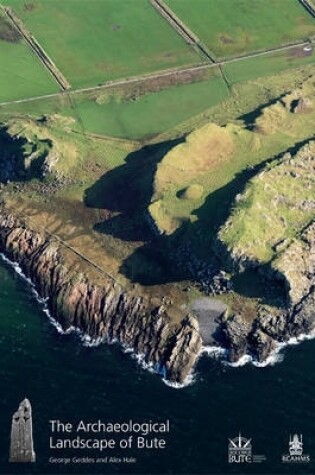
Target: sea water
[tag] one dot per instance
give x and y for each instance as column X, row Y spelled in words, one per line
column 69, row 381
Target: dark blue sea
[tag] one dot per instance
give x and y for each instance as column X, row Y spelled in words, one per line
column 67, row 381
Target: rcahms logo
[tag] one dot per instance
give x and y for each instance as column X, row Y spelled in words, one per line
column 296, row 451
column 240, row 451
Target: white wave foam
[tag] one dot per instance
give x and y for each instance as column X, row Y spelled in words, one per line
column 214, row 351
column 217, row 352
column 140, row 359
column 245, row 359
column 191, row 379
column 42, row 301
column 275, row 357
column 86, row 339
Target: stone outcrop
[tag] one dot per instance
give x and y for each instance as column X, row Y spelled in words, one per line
column 101, row 311
column 109, row 312
column 297, row 265
column 301, row 105
column 22, row 448
column 276, row 207
column 18, row 164
column 261, row 337
column 271, row 231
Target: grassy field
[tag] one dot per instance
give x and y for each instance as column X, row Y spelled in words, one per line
column 111, row 113
column 108, row 185
column 101, row 188
column 267, row 65
column 21, row 74
column 196, row 182
column 230, row 27
column 115, row 116
column 95, row 41
column 150, row 114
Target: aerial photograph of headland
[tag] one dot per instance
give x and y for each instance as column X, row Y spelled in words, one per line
column 157, row 237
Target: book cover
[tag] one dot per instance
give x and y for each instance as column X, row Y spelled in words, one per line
column 157, row 237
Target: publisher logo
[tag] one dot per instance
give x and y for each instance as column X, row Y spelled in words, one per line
column 295, row 454
column 240, row 451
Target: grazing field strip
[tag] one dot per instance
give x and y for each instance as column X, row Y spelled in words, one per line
column 37, row 49
column 94, row 41
column 110, row 138
column 230, row 28
column 188, row 35
column 113, row 84
column 309, row 6
column 170, row 72
column 264, row 51
column 77, row 114
column 181, row 28
column 225, row 78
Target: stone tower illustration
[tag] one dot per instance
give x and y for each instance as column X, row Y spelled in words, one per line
column 22, row 449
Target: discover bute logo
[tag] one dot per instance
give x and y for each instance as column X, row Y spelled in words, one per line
column 296, row 451
column 240, row 451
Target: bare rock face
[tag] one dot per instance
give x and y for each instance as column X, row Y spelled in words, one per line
column 261, row 345
column 297, row 265
column 261, row 337
column 108, row 311
column 236, row 332
column 22, row 449
column 301, row 105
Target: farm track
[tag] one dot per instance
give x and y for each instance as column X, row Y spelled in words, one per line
column 37, row 49
column 162, row 74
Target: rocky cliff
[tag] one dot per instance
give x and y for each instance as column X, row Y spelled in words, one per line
column 112, row 313
column 262, row 336
column 271, row 231
column 295, row 267
column 101, row 311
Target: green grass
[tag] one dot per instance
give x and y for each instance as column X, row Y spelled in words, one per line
column 147, row 116
column 98, row 40
column 232, row 27
column 37, row 107
column 21, row 74
column 153, row 113
column 225, row 175
column 267, row 65
column 270, row 211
